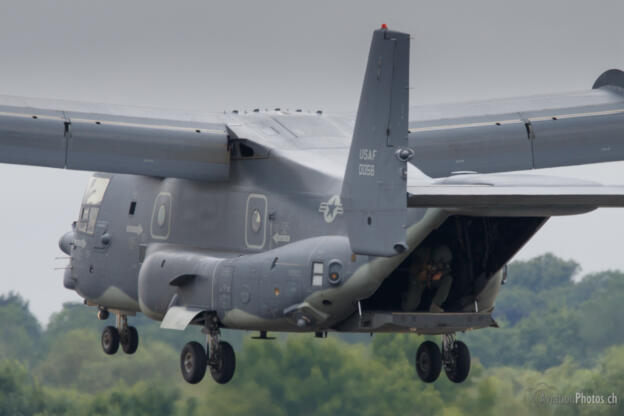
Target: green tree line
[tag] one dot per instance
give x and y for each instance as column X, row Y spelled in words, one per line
column 557, row 337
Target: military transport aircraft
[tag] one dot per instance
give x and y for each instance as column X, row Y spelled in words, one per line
column 297, row 221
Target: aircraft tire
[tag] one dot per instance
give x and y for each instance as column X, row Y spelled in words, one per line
column 129, row 339
column 110, row 340
column 193, row 362
column 224, row 370
column 428, row 361
column 459, row 371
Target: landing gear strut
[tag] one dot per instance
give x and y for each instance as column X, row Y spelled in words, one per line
column 220, row 357
column 454, row 357
column 123, row 334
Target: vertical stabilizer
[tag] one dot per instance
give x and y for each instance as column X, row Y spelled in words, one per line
column 374, row 190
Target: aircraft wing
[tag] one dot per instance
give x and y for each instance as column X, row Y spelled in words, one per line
column 512, row 195
column 521, row 133
column 112, row 139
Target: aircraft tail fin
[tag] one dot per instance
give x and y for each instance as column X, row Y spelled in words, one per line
column 374, row 190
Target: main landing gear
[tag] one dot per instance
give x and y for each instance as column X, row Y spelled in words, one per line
column 454, row 357
column 219, row 357
column 123, row 334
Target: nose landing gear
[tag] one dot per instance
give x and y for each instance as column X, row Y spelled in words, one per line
column 129, row 339
column 455, row 358
column 220, row 357
column 123, row 334
column 110, row 340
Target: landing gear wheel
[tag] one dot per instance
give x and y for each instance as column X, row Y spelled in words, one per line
column 428, row 361
column 129, row 339
column 110, row 340
column 193, row 362
column 458, row 369
column 223, row 369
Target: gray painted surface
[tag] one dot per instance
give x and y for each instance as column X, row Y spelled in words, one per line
column 263, row 239
column 521, row 133
column 113, row 143
column 514, row 195
column 373, row 191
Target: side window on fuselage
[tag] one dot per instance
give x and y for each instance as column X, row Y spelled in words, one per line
column 91, row 202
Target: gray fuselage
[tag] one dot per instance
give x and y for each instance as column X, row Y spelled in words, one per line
column 261, row 246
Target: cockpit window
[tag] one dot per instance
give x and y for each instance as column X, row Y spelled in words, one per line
column 82, row 221
column 91, row 202
column 85, row 214
column 93, row 212
column 95, row 191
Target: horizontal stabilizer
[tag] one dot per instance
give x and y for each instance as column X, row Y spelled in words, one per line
column 514, row 195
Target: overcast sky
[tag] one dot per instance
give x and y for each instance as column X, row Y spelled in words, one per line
column 214, row 56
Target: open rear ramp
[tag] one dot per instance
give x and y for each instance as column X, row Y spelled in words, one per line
column 418, row 322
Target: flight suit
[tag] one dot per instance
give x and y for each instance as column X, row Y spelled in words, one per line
column 430, row 268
